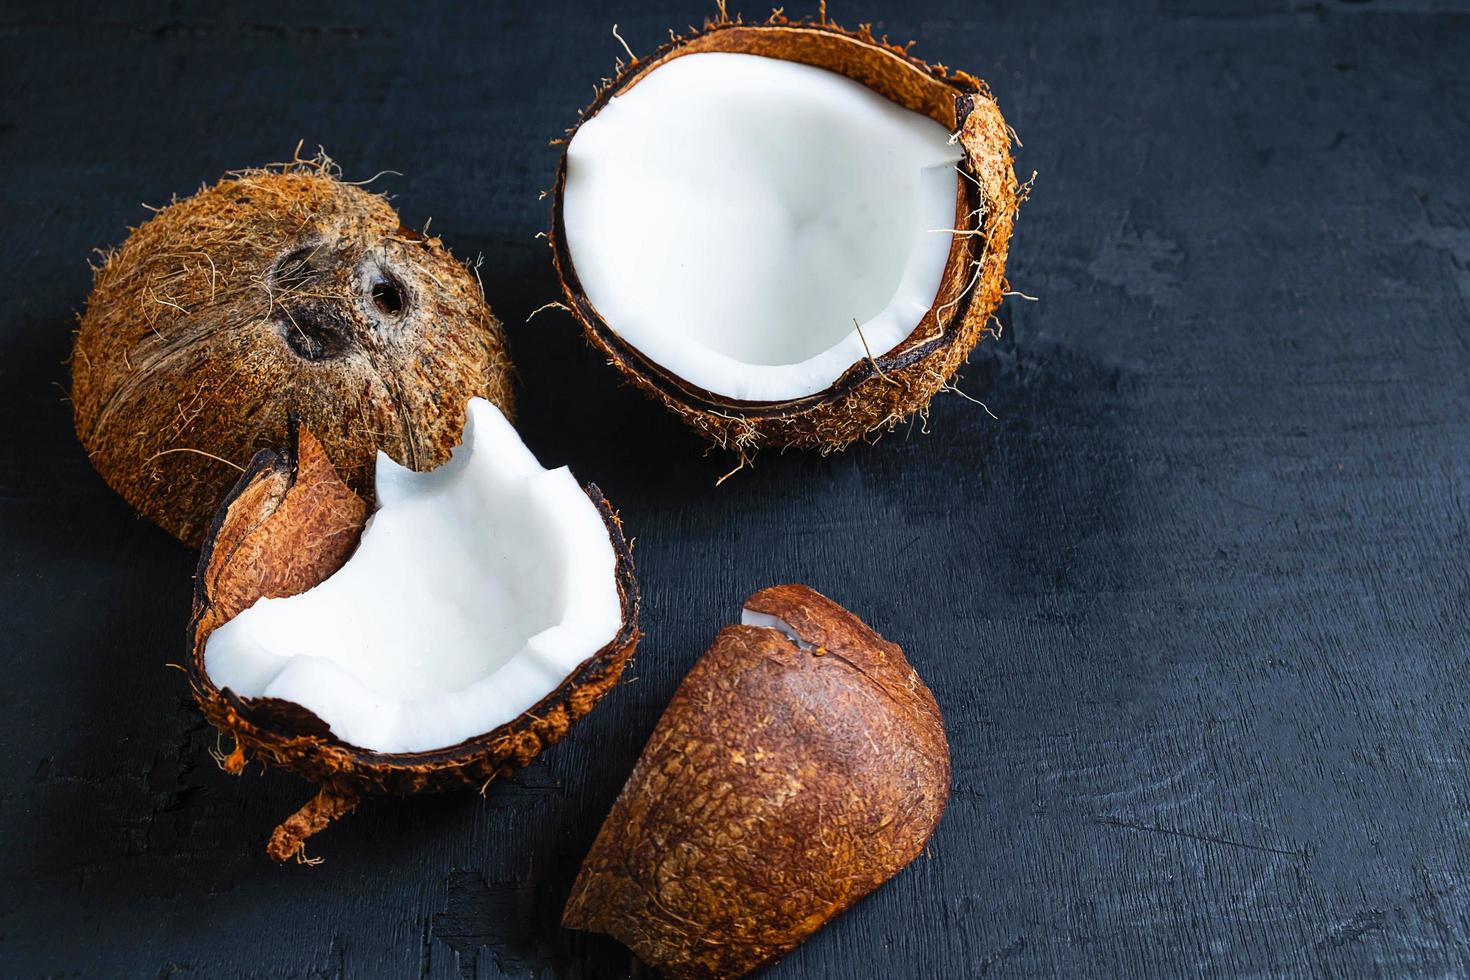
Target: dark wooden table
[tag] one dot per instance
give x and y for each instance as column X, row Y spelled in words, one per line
column 1195, row 605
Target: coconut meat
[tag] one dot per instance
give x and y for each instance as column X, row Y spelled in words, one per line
column 749, row 617
column 476, row 589
column 756, row 226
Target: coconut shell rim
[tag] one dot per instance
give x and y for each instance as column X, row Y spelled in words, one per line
column 631, row 361
column 611, row 657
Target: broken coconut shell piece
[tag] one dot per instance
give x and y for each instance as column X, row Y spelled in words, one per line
column 276, row 290
column 788, row 233
column 437, row 643
column 801, row 764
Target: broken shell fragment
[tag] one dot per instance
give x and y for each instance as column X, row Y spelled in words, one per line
column 801, row 764
column 788, row 233
column 275, row 291
column 436, row 643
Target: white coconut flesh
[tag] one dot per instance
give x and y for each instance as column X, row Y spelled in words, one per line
column 756, row 226
column 476, row 590
column 749, row 617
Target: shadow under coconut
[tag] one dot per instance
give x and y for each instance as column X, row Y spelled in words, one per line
column 529, row 835
column 580, row 409
column 511, row 916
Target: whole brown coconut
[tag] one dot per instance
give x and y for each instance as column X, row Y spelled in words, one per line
column 879, row 392
column 287, row 525
column 276, row 290
column 799, row 766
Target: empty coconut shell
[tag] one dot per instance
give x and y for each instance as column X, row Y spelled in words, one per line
column 800, row 765
column 288, row 525
column 878, row 387
column 275, row 290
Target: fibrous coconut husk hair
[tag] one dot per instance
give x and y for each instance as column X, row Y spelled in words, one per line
column 276, row 290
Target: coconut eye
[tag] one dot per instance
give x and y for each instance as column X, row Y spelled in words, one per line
column 278, row 278
column 312, row 335
column 387, row 295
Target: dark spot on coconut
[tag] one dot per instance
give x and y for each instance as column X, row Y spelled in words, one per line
column 387, row 295
column 313, row 334
column 295, row 266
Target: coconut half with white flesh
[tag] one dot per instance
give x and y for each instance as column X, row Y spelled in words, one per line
column 437, row 642
column 788, row 233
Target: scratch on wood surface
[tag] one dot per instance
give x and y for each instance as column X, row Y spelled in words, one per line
column 1356, row 927
column 1205, row 838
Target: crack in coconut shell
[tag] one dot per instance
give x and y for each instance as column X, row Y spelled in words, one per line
column 796, row 769
column 265, row 294
column 291, row 522
column 875, row 393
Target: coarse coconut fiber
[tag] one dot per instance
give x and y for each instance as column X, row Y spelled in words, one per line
column 277, row 290
column 880, row 388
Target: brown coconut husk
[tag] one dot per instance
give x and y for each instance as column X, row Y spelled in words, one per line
column 276, row 290
column 287, row 525
column 784, row 782
column 877, row 393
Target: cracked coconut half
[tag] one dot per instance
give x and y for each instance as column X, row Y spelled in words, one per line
column 788, row 233
column 276, row 290
column 442, row 640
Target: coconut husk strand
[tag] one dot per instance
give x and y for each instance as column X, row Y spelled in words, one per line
column 287, row 525
column 879, row 392
column 796, row 769
column 276, row 290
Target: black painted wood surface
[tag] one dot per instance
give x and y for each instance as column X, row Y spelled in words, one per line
column 1194, row 605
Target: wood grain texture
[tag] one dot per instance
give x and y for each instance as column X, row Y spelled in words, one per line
column 1194, row 606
